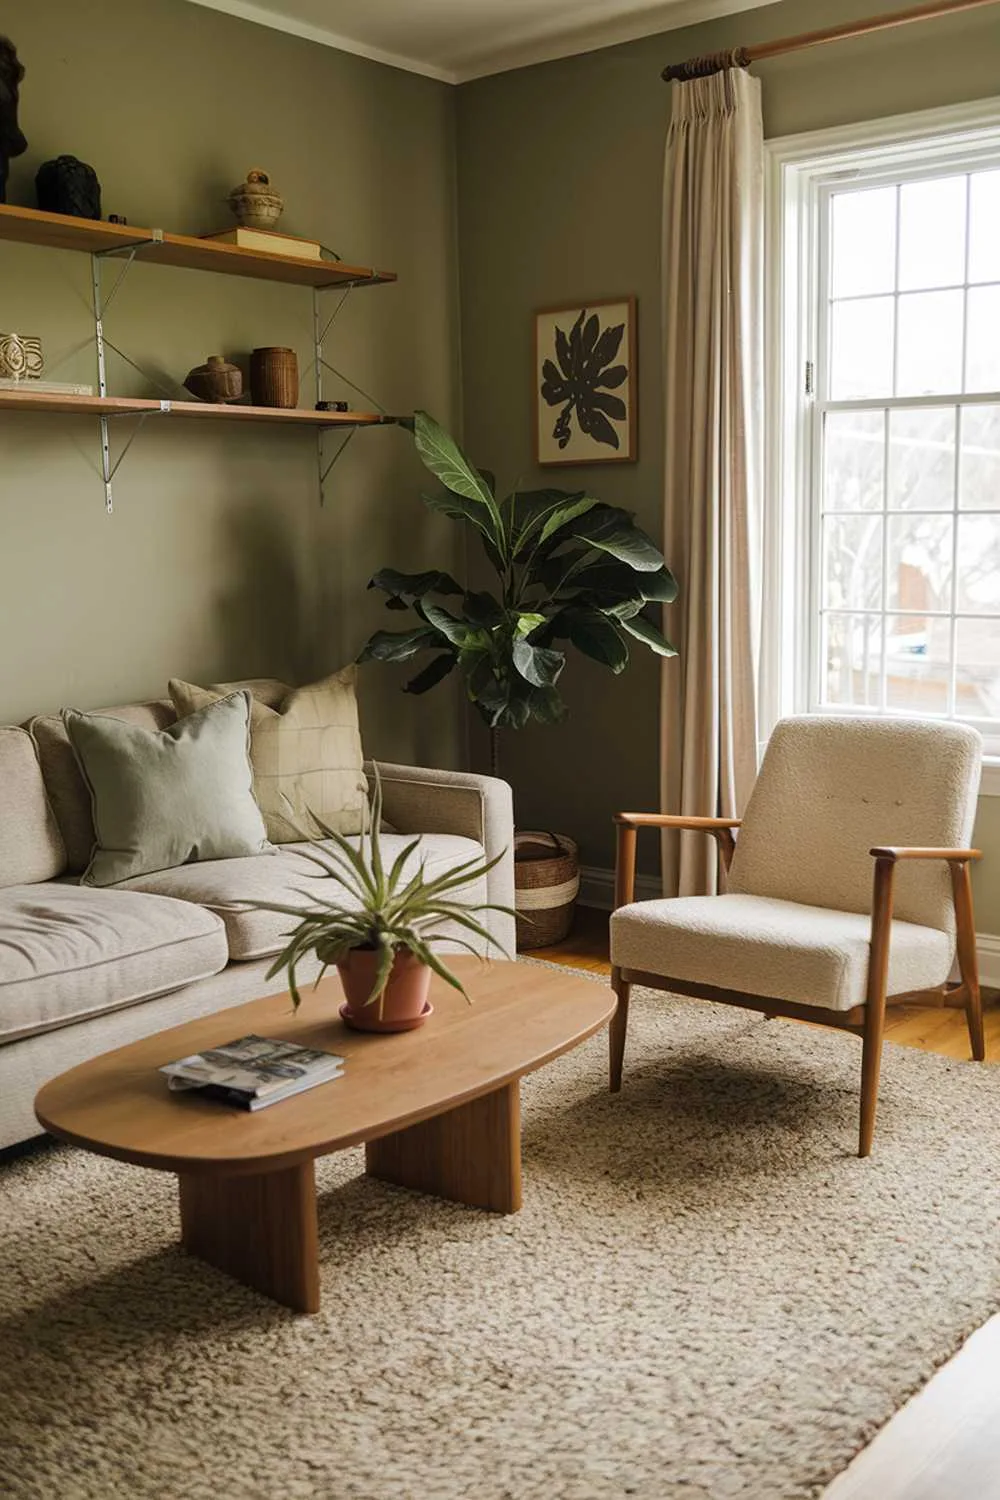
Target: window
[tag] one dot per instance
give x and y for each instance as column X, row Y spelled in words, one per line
column 887, row 465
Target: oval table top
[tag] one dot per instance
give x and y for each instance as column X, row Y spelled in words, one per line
column 522, row 1015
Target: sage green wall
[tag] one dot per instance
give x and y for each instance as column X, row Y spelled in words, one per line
column 218, row 561
column 560, row 174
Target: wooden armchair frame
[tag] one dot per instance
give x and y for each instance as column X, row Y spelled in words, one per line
column 867, row 1020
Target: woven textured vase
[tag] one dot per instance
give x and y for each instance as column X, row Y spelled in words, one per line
column 546, row 883
column 274, row 377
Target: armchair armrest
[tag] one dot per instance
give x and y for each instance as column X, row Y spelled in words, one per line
column 416, row 799
column 628, row 825
column 954, row 856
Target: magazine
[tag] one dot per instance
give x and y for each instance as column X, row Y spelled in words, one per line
column 253, row 1072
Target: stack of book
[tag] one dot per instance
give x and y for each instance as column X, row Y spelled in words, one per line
column 253, row 1072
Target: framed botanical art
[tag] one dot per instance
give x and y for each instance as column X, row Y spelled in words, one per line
column 585, row 383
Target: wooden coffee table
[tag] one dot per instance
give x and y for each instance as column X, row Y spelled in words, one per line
column 438, row 1110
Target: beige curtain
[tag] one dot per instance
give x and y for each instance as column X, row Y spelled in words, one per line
column 713, row 242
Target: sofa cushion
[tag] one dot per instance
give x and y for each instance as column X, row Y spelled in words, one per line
column 64, row 781
column 166, row 797
column 306, row 754
column 65, row 785
column 31, row 847
column 285, row 876
column 810, row 954
column 68, row 953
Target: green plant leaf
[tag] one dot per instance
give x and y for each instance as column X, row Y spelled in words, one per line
column 537, row 664
column 411, row 586
column 546, row 705
column 482, row 609
column 457, row 631
column 444, row 458
column 434, row 672
column 644, row 630
column 398, row 645
column 596, row 637
column 527, row 621
column 613, row 531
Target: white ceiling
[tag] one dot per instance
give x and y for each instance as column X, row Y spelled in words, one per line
column 456, row 40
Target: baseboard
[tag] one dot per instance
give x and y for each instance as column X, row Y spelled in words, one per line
column 597, row 889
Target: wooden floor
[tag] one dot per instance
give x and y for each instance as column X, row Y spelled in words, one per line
column 945, row 1443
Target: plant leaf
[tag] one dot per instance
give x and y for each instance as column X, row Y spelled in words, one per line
column 612, row 530
column 434, row 672
column 644, row 630
column 597, row 638
column 411, row 586
column 537, row 664
column 398, row 645
column 441, row 454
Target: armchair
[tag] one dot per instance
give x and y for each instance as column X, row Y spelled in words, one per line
column 847, row 889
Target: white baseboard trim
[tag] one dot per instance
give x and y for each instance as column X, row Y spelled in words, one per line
column 597, row 889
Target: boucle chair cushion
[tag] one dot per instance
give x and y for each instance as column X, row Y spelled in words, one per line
column 831, row 788
column 809, row 954
column 30, row 844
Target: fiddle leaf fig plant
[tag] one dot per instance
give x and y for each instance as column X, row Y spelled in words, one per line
column 570, row 571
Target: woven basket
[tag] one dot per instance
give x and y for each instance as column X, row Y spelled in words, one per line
column 546, row 882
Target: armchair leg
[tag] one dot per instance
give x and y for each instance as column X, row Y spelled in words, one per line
column 618, row 1029
column 968, row 966
column 871, row 1066
column 974, row 1017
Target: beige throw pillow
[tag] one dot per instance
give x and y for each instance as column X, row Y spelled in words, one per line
column 306, row 755
column 168, row 797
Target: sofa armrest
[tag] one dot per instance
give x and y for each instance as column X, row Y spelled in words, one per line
column 416, row 799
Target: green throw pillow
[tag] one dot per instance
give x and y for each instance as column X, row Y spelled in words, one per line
column 171, row 797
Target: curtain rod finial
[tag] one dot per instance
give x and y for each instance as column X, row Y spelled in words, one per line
column 703, row 67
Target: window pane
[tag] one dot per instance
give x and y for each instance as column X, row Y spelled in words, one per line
column 864, row 242
column 932, row 233
column 979, row 565
column 922, row 458
column 984, row 227
column 978, row 684
column 852, row 562
column 980, row 481
column 920, row 562
column 930, row 343
column 917, row 664
column 852, row 653
column 861, row 348
column 854, row 460
column 982, row 360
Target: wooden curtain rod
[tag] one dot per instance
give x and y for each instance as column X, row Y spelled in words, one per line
column 742, row 57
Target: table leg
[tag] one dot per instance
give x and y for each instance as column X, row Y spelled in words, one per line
column 260, row 1229
column 470, row 1154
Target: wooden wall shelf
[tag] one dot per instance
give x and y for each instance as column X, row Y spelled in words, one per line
column 30, row 226
column 126, row 406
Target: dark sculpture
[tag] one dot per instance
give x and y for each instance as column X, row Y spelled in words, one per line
column 68, row 186
column 12, row 142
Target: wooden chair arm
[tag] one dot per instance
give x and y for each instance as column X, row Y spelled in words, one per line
column 628, row 825
column 954, row 856
column 673, row 820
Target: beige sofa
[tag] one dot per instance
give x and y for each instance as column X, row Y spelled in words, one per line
column 83, row 970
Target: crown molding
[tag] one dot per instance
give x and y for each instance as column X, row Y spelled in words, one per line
column 603, row 31
column 544, row 45
column 245, row 10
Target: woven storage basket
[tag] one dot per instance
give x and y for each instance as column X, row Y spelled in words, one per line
column 546, row 882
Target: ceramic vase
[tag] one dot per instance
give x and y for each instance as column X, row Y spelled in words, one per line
column 255, row 203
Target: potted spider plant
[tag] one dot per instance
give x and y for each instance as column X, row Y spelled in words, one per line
column 379, row 925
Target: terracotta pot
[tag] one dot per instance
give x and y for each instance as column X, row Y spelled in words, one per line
column 274, row 377
column 404, row 1004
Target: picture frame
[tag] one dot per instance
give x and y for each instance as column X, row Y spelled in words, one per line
column 609, row 431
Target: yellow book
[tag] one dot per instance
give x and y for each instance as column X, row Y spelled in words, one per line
column 266, row 239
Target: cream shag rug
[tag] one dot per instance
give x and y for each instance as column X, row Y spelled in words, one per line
column 705, row 1295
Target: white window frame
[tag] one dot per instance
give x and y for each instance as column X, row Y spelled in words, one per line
column 799, row 168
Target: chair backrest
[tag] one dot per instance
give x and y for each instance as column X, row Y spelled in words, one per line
column 831, row 788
